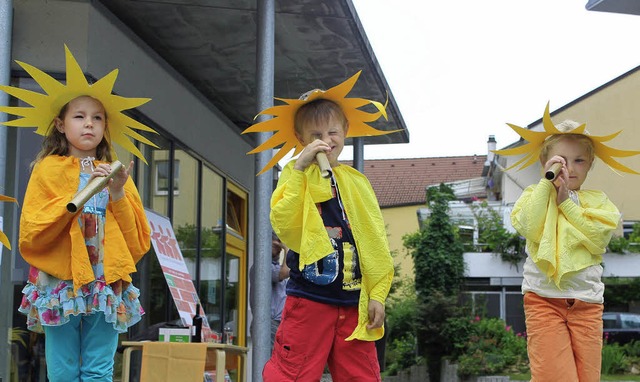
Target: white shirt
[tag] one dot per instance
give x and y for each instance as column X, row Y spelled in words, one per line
column 585, row 285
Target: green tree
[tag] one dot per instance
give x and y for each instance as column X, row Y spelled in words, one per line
column 400, row 327
column 620, row 293
column 494, row 237
column 439, row 276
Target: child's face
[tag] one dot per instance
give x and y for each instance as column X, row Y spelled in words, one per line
column 83, row 125
column 332, row 133
column 577, row 157
column 276, row 248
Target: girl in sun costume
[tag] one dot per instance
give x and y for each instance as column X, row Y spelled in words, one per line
column 341, row 269
column 79, row 290
column 567, row 230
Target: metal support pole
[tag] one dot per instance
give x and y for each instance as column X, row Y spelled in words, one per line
column 6, row 264
column 503, row 302
column 261, row 324
column 358, row 154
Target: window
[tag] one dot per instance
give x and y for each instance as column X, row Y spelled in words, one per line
column 211, row 251
column 609, row 321
column 162, row 177
column 630, row 321
column 236, row 211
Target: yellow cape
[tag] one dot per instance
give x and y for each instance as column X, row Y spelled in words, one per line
column 297, row 222
column 565, row 238
column 51, row 239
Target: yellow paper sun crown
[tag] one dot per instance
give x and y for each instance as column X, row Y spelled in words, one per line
column 3, row 238
column 535, row 139
column 284, row 116
column 45, row 107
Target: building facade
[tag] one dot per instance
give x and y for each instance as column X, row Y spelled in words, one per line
column 198, row 64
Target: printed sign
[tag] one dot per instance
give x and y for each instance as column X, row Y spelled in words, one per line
column 175, row 270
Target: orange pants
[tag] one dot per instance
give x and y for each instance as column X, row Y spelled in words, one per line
column 564, row 339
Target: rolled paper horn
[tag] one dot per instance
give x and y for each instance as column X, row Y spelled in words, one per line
column 323, row 162
column 553, row 171
column 93, row 187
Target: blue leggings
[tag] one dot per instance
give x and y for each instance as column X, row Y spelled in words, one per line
column 81, row 350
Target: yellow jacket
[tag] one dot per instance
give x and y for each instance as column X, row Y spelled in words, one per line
column 568, row 237
column 297, row 222
column 51, row 239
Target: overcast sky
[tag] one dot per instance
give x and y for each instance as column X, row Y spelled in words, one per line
column 459, row 70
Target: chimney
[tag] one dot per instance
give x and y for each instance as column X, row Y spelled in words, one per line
column 491, row 145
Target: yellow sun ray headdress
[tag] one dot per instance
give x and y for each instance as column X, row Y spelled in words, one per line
column 284, row 116
column 3, row 238
column 45, row 107
column 535, row 140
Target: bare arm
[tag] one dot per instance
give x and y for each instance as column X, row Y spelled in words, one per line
column 284, row 269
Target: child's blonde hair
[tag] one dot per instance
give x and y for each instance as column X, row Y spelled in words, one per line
column 55, row 142
column 317, row 112
column 566, row 127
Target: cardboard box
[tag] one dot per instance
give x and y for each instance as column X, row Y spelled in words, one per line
column 174, row 335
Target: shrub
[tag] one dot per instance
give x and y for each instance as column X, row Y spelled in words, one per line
column 618, row 244
column 490, row 347
column 632, row 349
column 400, row 328
column 634, row 236
column 402, row 311
column 458, row 330
column 401, row 354
column 614, row 359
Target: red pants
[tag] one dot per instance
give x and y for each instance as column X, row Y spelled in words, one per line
column 564, row 339
column 310, row 336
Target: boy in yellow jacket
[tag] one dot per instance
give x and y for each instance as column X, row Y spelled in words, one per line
column 341, row 268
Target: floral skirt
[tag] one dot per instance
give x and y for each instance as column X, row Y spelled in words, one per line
column 51, row 302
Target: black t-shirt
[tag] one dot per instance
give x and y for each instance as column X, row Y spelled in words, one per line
column 336, row 278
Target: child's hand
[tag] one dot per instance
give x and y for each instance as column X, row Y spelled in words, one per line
column 116, row 184
column 562, row 189
column 376, row 314
column 560, row 183
column 102, row 170
column 308, row 155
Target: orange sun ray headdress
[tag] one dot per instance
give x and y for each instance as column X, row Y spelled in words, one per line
column 3, row 238
column 45, row 107
column 535, row 139
column 284, row 116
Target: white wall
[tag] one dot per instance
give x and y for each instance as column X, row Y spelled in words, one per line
column 490, row 265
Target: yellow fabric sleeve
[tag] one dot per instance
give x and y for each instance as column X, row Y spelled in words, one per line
column 565, row 238
column 51, row 239
column 296, row 220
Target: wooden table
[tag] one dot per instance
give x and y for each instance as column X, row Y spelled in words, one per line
column 221, row 351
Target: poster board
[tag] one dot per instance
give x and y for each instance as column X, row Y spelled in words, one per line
column 175, row 270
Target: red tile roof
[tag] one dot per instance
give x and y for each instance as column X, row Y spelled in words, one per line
column 400, row 182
